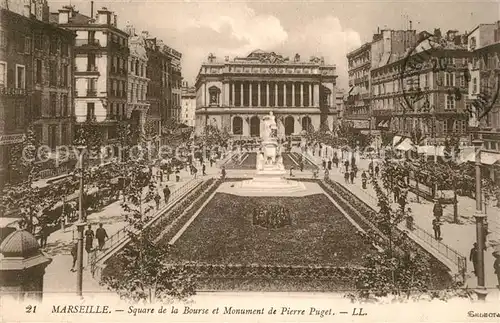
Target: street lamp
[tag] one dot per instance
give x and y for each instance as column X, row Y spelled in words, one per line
column 80, row 226
column 480, row 216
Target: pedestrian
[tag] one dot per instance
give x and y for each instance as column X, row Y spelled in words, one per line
column 355, row 170
column 396, row 192
column 336, row 160
column 329, row 164
column 159, row 174
column 194, row 171
column 353, row 160
column 89, row 239
column 346, row 164
column 352, row 175
column 101, row 235
column 370, row 167
column 436, row 226
column 437, row 209
column 223, row 173
column 166, row 194
column 291, row 171
column 473, row 257
column 364, row 179
column 346, row 177
column 157, row 199
column 177, row 175
column 211, row 162
column 485, row 233
column 301, row 165
column 323, row 163
column 203, row 169
column 74, row 254
column 496, row 267
column 377, row 169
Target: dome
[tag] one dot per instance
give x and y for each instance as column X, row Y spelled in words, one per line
column 19, row 243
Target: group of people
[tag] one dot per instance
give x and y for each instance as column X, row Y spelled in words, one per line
column 100, row 234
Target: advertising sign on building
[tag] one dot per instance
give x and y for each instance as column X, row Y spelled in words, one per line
column 361, row 124
column 11, row 139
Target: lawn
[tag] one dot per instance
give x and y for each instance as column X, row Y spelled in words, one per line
column 223, row 233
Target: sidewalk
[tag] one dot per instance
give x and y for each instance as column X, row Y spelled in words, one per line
column 58, row 277
column 458, row 236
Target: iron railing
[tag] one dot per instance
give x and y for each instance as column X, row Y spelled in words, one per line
column 451, row 254
column 123, row 233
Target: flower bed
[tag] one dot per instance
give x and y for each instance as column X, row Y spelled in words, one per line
column 223, row 234
column 274, row 216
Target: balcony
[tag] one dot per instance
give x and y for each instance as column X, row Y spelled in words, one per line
column 91, row 70
column 12, row 91
column 382, row 112
column 91, row 92
column 87, row 44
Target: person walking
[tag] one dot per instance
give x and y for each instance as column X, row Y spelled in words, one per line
column 377, row 169
column 166, row 194
column 323, row 163
column 496, row 267
column 329, row 164
column 346, row 164
column 223, row 173
column 194, row 171
column 74, row 254
column 101, row 236
column 301, row 165
column 157, row 199
column 177, row 175
column 89, row 240
column 364, row 179
column 346, row 177
column 473, row 257
column 352, row 174
column 437, row 209
column 436, row 226
column 291, row 171
column 203, row 169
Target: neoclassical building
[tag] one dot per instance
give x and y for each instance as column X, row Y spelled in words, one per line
column 234, row 95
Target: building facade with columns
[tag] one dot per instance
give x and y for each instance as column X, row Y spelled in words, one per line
column 234, row 95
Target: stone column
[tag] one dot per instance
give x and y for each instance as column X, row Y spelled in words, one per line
column 284, row 94
column 250, row 94
column 259, row 94
column 316, row 95
column 293, row 94
column 233, row 101
column 276, row 94
column 267, row 94
column 226, row 94
column 241, row 94
column 204, row 97
column 301, row 94
column 310, row 95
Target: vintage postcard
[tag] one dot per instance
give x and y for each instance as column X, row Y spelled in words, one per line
column 249, row 161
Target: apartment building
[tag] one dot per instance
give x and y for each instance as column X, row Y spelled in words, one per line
column 36, row 59
column 188, row 107
column 101, row 68
column 484, row 45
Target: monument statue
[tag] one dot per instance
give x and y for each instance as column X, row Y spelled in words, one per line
column 260, row 161
column 270, row 127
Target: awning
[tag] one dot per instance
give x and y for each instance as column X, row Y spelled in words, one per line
column 487, row 158
column 431, row 150
column 405, row 145
column 395, row 140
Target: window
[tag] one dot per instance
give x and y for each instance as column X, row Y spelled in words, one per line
column 38, row 76
column 53, row 136
column 53, row 73
column 426, row 80
column 474, row 85
column 20, row 76
column 3, row 74
column 450, row 102
column 64, row 49
column 65, row 79
column 64, row 134
column 20, row 43
column 27, row 45
column 64, row 105
column 53, row 45
column 3, row 39
column 38, row 41
column 53, row 105
column 91, row 63
column 449, row 79
column 90, row 110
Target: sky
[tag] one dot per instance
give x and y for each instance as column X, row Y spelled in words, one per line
column 321, row 28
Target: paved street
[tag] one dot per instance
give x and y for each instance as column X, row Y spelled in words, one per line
column 458, row 236
column 58, row 277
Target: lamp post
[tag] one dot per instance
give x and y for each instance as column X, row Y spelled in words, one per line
column 480, row 216
column 80, row 226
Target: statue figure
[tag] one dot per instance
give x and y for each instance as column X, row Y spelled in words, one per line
column 270, row 128
column 260, row 161
column 279, row 162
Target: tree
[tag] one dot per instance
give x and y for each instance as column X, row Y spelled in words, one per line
column 147, row 276
column 89, row 135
